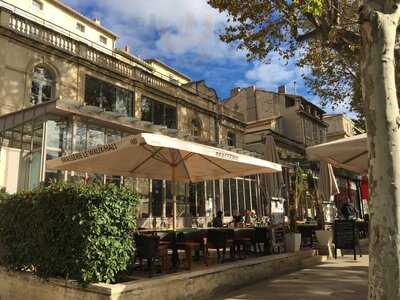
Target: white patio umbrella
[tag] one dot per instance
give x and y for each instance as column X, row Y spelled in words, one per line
column 347, row 153
column 327, row 184
column 271, row 183
column 162, row 157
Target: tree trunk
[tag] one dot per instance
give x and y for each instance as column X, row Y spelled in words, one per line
column 379, row 20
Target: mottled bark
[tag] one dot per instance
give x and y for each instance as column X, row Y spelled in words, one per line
column 379, row 20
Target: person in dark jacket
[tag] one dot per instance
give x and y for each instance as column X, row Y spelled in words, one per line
column 218, row 222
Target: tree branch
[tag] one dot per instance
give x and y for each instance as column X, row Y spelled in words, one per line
column 308, row 35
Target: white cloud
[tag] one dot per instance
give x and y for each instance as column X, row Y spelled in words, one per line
column 277, row 72
column 165, row 27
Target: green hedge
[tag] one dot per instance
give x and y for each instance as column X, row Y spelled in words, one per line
column 3, row 194
column 70, row 230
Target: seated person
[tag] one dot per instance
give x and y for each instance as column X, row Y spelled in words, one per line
column 247, row 218
column 217, row 222
column 253, row 217
column 237, row 219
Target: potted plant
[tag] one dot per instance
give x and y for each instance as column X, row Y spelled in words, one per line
column 293, row 238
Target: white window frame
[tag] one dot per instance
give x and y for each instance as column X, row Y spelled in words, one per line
column 103, row 40
column 37, row 4
column 80, row 27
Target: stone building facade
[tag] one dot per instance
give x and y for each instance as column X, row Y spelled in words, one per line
column 294, row 122
column 65, row 87
column 340, row 126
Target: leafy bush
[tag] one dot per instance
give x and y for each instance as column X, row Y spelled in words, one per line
column 3, row 194
column 73, row 230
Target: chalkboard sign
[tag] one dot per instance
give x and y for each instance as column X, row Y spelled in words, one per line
column 346, row 236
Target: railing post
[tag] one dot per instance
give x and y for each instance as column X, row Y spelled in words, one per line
column 82, row 50
column 5, row 16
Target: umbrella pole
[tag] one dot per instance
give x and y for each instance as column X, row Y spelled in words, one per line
column 173, row 183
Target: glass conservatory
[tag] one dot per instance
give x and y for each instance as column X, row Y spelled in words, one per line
column 53, row 129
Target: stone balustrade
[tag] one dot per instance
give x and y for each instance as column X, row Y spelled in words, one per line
column 38, row 32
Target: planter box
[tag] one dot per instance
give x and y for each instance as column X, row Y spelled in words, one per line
column 292, row 242
column 202, row 284
column 325, row 242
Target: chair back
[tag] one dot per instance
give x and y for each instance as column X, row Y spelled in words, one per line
column 217, row 237
column 229, row 233
column 166, row 236
column 261, row 234
column 147, row 246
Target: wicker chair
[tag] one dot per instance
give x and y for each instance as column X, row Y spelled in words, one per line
column 148, row 247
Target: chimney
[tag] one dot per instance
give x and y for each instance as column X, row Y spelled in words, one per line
column 97, row 21
column 235, row 91
column 126, row 49
column 282, row 89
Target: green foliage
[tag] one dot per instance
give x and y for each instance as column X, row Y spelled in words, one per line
column 323, row 36
column 70, row 230
column 313, row 7
column 298, row 193
column 3, row 195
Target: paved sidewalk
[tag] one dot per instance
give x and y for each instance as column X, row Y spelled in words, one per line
column 342, row 279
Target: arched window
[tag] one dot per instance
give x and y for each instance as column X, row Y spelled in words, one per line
column 196, row 127
column 43, row 83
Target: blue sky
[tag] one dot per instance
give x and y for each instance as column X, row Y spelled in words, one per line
column 184, row 34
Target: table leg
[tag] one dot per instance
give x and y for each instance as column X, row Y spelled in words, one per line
column 205, row 255
column 188, row 252
column 175, row 257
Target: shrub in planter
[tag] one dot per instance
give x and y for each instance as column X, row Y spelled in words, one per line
column 3, row 194
column 72, row 230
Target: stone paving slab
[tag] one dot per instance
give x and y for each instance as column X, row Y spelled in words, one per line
column 343, row 279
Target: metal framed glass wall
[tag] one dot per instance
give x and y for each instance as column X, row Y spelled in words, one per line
column 203, row 199
column 54, row 136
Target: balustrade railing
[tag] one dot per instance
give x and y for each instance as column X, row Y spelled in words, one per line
column 37, row 32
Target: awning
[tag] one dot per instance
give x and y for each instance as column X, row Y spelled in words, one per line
column 154, row 156
column 348, row 153
column 158, row 156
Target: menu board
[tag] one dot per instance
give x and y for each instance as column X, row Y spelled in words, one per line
column 345, row 234
column 277, row 211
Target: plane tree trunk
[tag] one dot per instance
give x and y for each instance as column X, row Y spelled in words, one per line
column 379, row 20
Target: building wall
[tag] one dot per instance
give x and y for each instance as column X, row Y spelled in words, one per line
column 53, row 12
column 225, row 127
column 340, row 126
column 268, row 105
column 255, row 104
column 292, row 118
column 293, row 124
column 161, row 70
column 239, row 101
column 17, row 62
